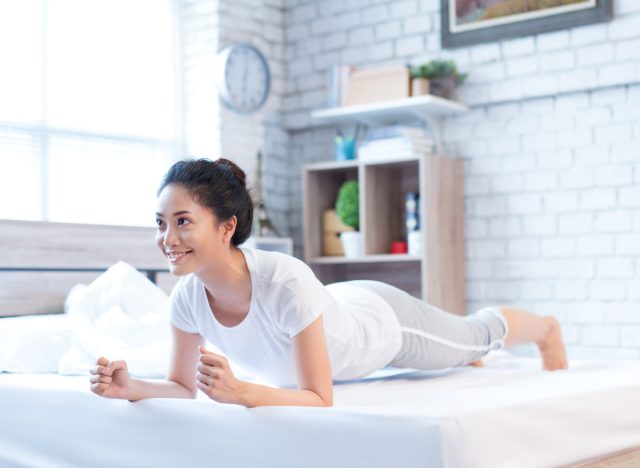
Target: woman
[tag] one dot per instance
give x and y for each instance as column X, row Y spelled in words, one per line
column 269, row 313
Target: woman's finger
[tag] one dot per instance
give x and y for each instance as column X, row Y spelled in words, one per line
column 212, row 359
column 211, row 375
column 102, row 360
column 202, row 378
column 204, row 369
column 100, row 379
column 103, row 370
column 99, row 387
column 205, row 379
column 116, row 365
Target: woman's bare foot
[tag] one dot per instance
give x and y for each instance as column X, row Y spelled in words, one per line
column 477, row 363
column 554, row 356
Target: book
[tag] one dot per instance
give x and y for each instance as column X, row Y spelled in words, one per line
column 365, row 153
column 344, row 76
column 398, row 142
column 393, row 131
column 333, row 86
column 374, row 150
column 338, row 85
column 390, row 155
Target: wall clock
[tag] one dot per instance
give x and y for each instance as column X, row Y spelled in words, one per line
column 244, row 78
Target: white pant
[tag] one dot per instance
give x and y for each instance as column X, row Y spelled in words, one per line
column 434, row 339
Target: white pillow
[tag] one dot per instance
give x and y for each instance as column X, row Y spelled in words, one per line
column 33, row 343
column 121, row 315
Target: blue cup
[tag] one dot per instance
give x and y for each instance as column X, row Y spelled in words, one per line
column 345, row 148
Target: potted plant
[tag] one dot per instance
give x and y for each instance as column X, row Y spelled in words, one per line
column 348, row 210
column 442, row 75
column 419, row 82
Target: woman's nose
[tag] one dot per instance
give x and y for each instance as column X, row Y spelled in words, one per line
column 170, row 237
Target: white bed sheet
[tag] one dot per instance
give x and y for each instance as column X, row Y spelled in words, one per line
column 507, row 414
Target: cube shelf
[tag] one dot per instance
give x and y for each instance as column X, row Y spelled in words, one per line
column 437, row 274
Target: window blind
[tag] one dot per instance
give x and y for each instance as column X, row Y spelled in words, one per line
column 88, row 108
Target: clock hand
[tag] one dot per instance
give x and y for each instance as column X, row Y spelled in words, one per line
column 244, row 78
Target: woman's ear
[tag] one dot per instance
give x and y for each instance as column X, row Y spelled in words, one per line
column 229, row 228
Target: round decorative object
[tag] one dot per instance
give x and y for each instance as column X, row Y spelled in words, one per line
column 244, row 79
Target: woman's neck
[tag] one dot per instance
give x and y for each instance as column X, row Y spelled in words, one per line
column 228, row 283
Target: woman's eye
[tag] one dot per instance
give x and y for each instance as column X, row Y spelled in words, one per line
column 182, row 221
column 159, row 222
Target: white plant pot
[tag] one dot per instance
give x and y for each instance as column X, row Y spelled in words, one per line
column 351, row 243
column 414, row 239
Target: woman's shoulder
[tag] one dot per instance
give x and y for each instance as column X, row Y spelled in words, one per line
column 186, row 286
column 277, row 273
column 276, row 265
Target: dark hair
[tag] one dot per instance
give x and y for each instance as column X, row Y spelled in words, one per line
column 219, row 185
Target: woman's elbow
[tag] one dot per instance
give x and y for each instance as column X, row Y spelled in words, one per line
column 187, row 391
column 327, row 400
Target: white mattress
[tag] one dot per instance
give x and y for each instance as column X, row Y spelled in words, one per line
column 508, row 413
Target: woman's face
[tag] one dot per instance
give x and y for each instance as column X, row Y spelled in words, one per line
column 188, row 234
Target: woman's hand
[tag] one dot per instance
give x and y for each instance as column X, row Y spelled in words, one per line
column 110, row 379
column 215, row 379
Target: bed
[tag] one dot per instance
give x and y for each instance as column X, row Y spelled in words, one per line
column 506, row 414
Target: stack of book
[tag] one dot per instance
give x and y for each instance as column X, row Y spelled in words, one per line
column 395, row 142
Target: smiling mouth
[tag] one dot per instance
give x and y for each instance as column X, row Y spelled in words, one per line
column 175, row 257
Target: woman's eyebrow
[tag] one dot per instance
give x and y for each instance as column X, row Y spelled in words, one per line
column 175, row 214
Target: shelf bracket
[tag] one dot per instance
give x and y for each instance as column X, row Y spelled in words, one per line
column 435, row 125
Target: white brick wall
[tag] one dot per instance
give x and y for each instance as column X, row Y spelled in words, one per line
column 214, row 131
column 579, row 243
column 551, row 146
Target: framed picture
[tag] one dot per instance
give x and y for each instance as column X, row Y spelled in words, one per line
column 468, row 22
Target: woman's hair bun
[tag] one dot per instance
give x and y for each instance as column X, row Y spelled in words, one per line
column 239, row 173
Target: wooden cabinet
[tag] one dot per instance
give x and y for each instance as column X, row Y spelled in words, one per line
column 437, row 274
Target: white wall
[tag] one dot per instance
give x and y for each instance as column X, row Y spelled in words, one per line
column 551, row 149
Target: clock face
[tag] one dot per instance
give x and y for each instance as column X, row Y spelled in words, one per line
column 245, row 79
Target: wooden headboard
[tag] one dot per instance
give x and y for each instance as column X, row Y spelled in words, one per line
column 40, row 261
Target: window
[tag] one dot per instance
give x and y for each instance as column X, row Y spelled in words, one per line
column 88, row 108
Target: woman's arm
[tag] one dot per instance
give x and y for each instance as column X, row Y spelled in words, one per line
column 110, row 379
column 217, row 381
column 314, row 374
column 181, row 382
column 141, row 389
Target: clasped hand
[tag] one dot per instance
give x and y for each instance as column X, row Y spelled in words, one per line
column 215, row 379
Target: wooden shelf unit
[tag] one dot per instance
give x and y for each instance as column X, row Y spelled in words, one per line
column 437, row 275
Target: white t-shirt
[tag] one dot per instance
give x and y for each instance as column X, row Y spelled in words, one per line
column 362, row 331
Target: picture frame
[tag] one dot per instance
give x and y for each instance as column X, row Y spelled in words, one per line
column 468, row 22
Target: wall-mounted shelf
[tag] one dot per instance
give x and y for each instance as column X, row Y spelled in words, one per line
column 429, row 109
column 384, row 112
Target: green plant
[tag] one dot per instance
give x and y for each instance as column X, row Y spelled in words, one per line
column 348, row 204
column 438, row 69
